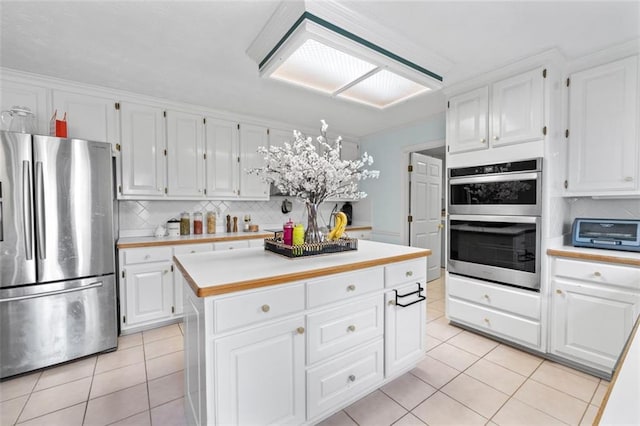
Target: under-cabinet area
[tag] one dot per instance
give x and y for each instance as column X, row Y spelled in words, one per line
column 252, row 354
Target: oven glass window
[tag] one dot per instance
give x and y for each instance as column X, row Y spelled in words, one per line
column 501, row 244
column 520, row 192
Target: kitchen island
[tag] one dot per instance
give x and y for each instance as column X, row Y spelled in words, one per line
column 273, row 340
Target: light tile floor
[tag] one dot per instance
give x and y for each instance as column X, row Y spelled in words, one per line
column 465, row 379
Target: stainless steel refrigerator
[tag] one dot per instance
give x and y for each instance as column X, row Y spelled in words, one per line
column 57, row 281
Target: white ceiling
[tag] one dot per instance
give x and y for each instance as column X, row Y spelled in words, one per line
column 194, row 52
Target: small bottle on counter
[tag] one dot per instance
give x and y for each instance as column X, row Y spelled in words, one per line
column 211, row 222
column 247, row 223
column 185, row 223
column 287, row 233
column 298, row 235
column 197, row 223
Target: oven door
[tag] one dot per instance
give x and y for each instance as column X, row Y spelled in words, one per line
column 507, row 194
column 504, row 249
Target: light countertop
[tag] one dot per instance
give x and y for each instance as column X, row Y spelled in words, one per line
column 213, row 273
column 598, row 255
column 135, row 242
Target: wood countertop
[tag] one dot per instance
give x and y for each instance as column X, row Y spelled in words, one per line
column 214, row 273
column 137, row 242
column 597, row 255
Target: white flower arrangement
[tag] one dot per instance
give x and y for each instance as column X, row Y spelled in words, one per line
column 297, row 169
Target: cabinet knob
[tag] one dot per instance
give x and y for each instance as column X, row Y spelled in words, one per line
column 597, row 274
column 391, row 302
column 440, row 226
column 166, row 271
column 558, row 291
column 628, row 179
column 300, row 330
column 351, row 287
column 265, row 308
column 409, row 273
column 486, row 296
column 147, row 257
column 495, row 138
column 352, row 378
column 351, row 328
column 193, row 251
column 483, row 140
column 486, row 320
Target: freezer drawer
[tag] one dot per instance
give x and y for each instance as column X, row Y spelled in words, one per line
column 46, row 324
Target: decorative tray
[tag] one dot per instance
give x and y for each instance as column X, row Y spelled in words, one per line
column 325, row 247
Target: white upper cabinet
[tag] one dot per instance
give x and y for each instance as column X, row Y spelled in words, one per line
column 467, row 128
column 603, row 149
column 221, row 151
column 89, row 117
column 26, row 95
column 143, row 150
column 185, row 155
column 252, row 137
column 517, row 109
column 508, row 111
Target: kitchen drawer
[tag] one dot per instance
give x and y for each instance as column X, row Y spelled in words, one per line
column 598, row 273
column 405, row 272
column 147, row 254
column 343, row 286
column 336, row 330
column 510, row 327
column 257, row 306
column 192, row 248
column 496, row 296
column 332, row 383
column 231, row 245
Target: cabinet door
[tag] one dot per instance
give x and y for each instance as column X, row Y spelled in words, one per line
column 185, row 154
column 467, row 121
column 88, row 117
column 517, row 109
column 603, row 129
column 143, row 150
column 277, row 137
column 33, row 97
column 149, row 292
column 221, row 150
column 404, row 332
column 591, row 324
column 261, row 375
column 252, row 137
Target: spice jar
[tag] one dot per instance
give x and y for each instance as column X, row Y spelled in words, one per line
column 185, row 224
column 211, row 222
column 197, row 223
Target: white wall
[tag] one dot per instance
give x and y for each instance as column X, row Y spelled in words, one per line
column 384, row 194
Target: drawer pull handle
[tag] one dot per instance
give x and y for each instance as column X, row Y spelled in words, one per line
column 193, row 251
column 486, row 320
column 418, row 300
column 352, row 378
column 597, row 274
column 408, row 273
column 351, row 287
column 265, row 308
column 351, row 328
column 300, row 330
column 558, row 291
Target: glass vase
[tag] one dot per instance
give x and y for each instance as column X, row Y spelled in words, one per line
column 313, row 233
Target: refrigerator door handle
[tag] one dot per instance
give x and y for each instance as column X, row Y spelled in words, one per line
column 27, row 211
column 40, row 213
column 52, row 293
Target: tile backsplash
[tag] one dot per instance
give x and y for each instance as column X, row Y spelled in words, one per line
column 140, row 218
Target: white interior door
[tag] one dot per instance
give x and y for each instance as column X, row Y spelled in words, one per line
column 425, row 205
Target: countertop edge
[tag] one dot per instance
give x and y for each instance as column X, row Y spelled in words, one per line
column 593, row 256
column 297, row 276
column 211, row 238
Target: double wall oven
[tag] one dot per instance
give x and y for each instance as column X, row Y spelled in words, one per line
column 494, row 222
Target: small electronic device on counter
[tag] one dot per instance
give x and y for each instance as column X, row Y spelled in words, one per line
column 613, row 234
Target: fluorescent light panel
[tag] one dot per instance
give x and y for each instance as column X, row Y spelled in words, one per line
column 383, row 89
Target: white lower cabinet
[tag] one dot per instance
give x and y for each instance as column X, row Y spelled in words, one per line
column 593, row 309
column 149, row 293
column 291, row 354
column 261, row 375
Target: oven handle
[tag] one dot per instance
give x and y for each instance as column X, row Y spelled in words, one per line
column 486, row 218
column 495, row 178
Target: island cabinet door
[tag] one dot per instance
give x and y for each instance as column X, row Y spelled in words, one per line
column 260, row 375
column 404, row 328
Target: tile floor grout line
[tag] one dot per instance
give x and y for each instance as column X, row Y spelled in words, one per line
column 93, row 375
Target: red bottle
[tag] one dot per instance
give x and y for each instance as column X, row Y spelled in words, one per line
column 287, row 234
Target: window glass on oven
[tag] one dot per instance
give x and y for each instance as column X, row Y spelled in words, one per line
column 520, row 192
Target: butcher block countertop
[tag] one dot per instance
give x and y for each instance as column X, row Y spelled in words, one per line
column 220, row 272
column 597, row 255
column 136, row 242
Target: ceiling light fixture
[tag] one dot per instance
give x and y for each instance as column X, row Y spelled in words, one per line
column 299, row 47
